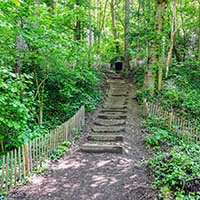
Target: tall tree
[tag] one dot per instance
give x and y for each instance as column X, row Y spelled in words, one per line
column 114, row 29
column 154, row 59
column 172, row 37
column 126, row 34
column 78, row 23
column 199, row 32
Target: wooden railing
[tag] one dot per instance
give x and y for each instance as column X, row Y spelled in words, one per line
column 183, row 128
column 18, row 164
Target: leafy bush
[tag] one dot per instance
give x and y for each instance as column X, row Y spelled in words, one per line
column 16, row 108
column 68, row 89
column 60, row 151
column 173, row 169
column 41, row 43
column 175, row 165
column 158, row 137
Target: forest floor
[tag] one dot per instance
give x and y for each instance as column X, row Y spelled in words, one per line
column 92, row 176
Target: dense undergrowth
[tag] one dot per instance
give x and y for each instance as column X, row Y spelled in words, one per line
column 65, row 91
column 180, row 92
column 46, row 73
column 175, row 164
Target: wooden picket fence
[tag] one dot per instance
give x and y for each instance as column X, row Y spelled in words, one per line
column 18, row 164
column 183, row 128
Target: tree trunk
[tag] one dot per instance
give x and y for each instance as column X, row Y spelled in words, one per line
column 90, row 34
column 172, row 37
column 114, row 30
column 156, row 46
column 199, row 33
column 78, row 25
column 126, row 33
column 160, row 68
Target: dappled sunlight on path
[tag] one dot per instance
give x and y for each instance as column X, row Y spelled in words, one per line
column 103, row 176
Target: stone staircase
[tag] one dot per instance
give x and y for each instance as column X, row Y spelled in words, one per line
column 109, row 127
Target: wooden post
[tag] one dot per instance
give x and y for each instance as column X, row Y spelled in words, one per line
column 11, row 169
column 54, row 139
column 30, row 157
column 15, row 167
column 2, row 173
column 25, row 158
column 19, row 160
column 50, row 142
column 78, row 118
column 66, row 130
column 46, row 138
column 7, row 171
column 34, row 154
column 170, row 120
column 42, row 146
column 39, row 152
column 82, row 116
column 145, row 108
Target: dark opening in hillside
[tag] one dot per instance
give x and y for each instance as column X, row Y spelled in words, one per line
column 118, row 66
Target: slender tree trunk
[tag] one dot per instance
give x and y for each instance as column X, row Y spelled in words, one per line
column 21, row 48
column 126, row 33
column 199, row 33
column 78, row 25
column 172, row 37
column 156, row 46
column 101, row 23
column 160, row 68
column 90, row 34
column 114, row 30
column 90, row 25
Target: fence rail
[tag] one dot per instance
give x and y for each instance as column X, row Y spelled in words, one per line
column 19, row 163
column 183, row 128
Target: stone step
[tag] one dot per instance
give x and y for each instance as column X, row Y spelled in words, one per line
column 110, row 116
column 116, row 98
column 107, row 129
column 105, row 138
column 117, row 82
column 116, row 94
column 101, row 148
column 107, row 106
column 114, row 105
column 115, row 77
column 118, row 87
column 105, row 122
column 112, row 113
column 119, row 95
column 104, row 110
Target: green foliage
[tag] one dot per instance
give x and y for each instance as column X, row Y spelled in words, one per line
column 142, row 94
column 181, row 92
column 158, row 137
column 175, row 163
column 173, row 169
column 60, row 151
column 16, row 107
column 54, row 78
column 68, row 89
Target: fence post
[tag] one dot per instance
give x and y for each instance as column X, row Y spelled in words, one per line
column 82, row 116
column 170, row 120
column 2, row 173
column 145, row 108
column 25, row 149
column 66, row 127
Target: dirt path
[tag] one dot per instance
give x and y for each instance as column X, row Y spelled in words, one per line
column 105, row 176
